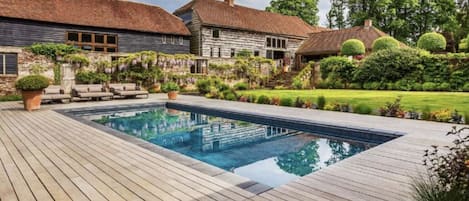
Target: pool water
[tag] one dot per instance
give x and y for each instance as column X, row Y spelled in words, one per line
column 263, row 153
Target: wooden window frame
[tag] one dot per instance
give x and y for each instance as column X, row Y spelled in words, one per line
column 164, row 39
column 181, row 40
column 233, row 52
column 93, row 43
column 3, row 65
column 216, row 31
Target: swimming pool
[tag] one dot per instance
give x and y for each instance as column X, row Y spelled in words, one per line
column 267, row 154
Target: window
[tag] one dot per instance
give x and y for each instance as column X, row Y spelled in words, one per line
column 92, row 41
column 269, row 42
column 163, row 39
column 211, row 52
column 269, row 54
column 173, row 40
column 274, row 43
column 181, row 40
column 216, row 33
column 256, row 53
column 8, row 63
column 232, row 53
column 284, row 44
column 219, row 52
column 278, row 43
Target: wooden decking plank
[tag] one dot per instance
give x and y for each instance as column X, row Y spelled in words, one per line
column 301, row 185
column 55, row 143
column 46, row 179
column 34, row 184
column 128, row 161
column 295, row 189
column 180, row 173
column 7, row 192
column 81, row 183
column 52, row 166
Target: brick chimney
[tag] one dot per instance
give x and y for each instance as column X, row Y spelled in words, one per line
column 230, row 2
column 368, row 23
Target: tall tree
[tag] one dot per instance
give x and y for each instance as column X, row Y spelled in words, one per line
column 305, row 9
column 462, row 18
column 336, row 15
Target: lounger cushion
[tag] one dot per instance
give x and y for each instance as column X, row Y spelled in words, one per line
column 52, row 90
column 55, row 96
column 117, row 87
column 81, row 89
column 131, row 93
column 95, row 94
column 95, row 89
column 130, row 87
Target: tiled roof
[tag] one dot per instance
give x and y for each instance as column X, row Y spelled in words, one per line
column 330, row 42
column 220, row 14
column 115, row 14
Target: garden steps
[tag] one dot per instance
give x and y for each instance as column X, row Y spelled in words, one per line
column 282, row 79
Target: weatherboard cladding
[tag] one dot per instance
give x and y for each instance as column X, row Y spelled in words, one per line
column 22, row 33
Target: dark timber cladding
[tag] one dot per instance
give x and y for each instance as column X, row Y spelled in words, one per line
column 97, row 25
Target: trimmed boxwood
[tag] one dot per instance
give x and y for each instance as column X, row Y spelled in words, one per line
column 385, row 42
column 286, row 101
column 32, row 83
column 353, row 47
column 432, row 42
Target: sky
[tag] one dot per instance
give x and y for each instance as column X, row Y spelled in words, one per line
column 171, row 5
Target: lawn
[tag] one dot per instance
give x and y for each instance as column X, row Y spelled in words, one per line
column 376, row 99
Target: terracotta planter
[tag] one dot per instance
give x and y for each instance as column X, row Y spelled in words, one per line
column 32, row 100
column 172, row 95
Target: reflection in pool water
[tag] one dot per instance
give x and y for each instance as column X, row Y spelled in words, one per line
column 266, row 154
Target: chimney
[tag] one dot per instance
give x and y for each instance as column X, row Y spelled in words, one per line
column 368, row 23
column 230, row 2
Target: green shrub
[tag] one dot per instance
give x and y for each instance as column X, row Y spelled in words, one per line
column 417, row 87
column 372, row 86
column 442, row 115
column 286, row 101
column 391, row 86
column 457, row 80
column 404, row 85
column 322, row 85
column 241, row 86
column 169, row 86
column 32, row 83
column 444, row 87
column 337, row 69
column 79, row 59
column 362, row 109
column 90, row 77
column 385, row 42
column 332, row 107
column 355, row 86
column 353, row 47
column 299, row 102
column 230, row 95
column 430, row 86
column 465, row 88
column 392, row 109
column 53, row 50
column 390, row 65
column 203, row 85
column 297, row 84
column 251, row 98
column 432, row 42
column 426, row 113
column 10, row 98
column 321, row 102
column 263, row 99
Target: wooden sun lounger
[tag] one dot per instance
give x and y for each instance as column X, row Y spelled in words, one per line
column 91, row 91
column 127, row 90
column 54, row 93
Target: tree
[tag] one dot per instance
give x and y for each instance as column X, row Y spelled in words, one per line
column 336, row 15
column 305, row 9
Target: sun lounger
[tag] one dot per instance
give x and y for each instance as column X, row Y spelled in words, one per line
column 127, row 90
column 91, row 91
column 55, row 93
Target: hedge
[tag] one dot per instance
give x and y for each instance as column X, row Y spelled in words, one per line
column 432, row 42
column 385, row 42
column 353, row 47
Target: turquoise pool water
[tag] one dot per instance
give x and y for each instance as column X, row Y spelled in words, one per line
column 263, row 153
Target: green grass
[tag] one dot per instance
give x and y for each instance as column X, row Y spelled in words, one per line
column 10, row 98
column 377, row 99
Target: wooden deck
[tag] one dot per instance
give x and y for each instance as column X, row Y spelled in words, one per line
column 47, row 156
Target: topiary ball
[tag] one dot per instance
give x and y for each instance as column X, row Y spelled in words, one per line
column 385, row 42
column 432, row 42
column 353, row 47
column 32, row 83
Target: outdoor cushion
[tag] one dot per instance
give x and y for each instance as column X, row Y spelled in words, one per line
column 131, row 93
column 95, row 88
column 80, row 89
column 55, row 96
column 95, row 94
column 130, row 87
column 52, row 90
column 116, row 87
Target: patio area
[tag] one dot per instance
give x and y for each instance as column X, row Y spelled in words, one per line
column 45, row 155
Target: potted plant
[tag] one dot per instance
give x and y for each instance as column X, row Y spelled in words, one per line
column 31, row 88
column 172, row 89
